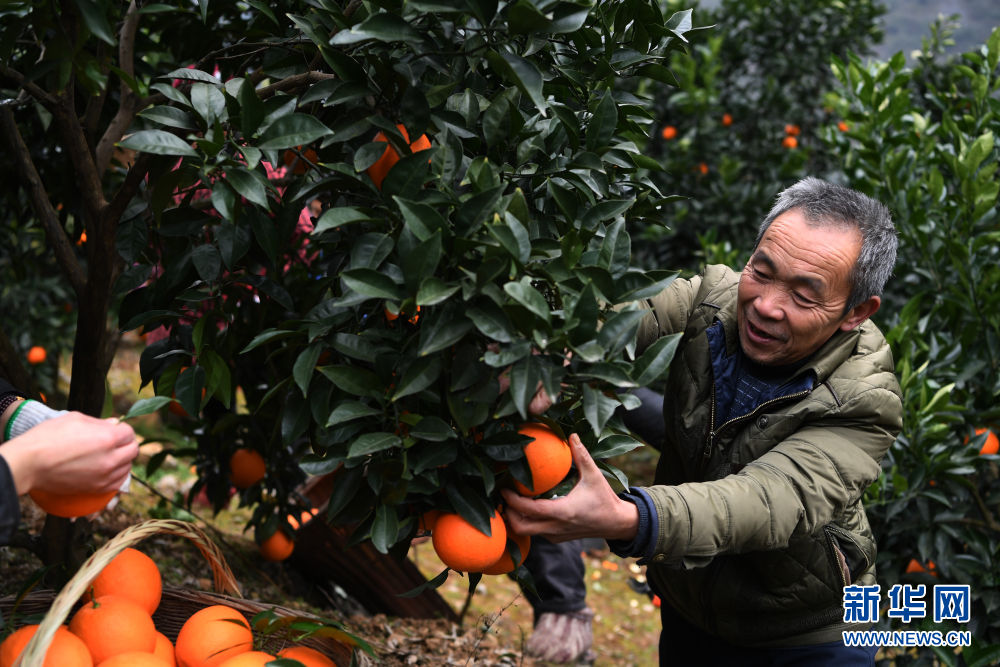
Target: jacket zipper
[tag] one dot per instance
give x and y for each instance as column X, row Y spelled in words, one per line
column 706, row 453
column 714, row 432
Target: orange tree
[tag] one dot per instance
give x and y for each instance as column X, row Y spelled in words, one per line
column 922, row 138
column 371, row 340
column 745, row 118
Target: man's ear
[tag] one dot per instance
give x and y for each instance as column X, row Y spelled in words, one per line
column 860, row 313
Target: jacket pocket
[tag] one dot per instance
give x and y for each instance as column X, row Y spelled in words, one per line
column 849, row 551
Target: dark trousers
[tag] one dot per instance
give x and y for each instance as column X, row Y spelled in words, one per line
column 685, row 645
column 558, row 573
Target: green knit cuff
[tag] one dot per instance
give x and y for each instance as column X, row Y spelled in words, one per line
column 28, row 415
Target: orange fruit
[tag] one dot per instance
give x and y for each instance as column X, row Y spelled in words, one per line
column 211, row 636
column 669, row 132
column 70, row 505
column 462, row 547
column 134, row 659
column 703, row 168
column 792, row 130
column 164, row 648
column 246, row 467
column 37, row 355
column 843, row 126
column 248, row 659
column 309, row 657
column 303, row 518
column 727, row 119
column 133, row 575
column 790, row 142
column 377, row 172
column 505, row 563
column 83, row 238
column 111, row 625
column 914, row 566
column 65, row 649
column 300, row 165
column 992, row 444
column 277, row 547
column 549, row 459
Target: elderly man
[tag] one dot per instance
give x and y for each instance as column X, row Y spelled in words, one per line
column 781, row 404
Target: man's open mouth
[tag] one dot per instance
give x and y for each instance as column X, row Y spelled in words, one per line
column 757, row 332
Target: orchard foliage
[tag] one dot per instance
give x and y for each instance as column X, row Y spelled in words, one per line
column 398, row 337
column 923, row 140
column 741, row 92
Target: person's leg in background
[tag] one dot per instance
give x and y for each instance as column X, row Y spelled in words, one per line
column 563, row 629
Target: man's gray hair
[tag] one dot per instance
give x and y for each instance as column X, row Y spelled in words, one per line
column 823, row 204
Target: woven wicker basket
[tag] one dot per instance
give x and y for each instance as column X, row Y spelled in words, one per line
column 176, row 605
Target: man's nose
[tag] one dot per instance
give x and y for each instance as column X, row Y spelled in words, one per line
column 770, row 303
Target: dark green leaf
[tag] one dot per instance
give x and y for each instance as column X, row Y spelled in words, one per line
column 421, row 374
column 158, row 142
column 371, row 443
column 373, row 284
column 145, row 406
column 655, row 361
column 293, row 130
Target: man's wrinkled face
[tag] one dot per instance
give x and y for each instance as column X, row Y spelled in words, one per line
column 794, row 288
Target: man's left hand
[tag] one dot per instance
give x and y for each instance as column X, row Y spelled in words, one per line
column 591, row 509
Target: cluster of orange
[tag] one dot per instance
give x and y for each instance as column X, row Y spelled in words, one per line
column 791, row 140
column 114, row 628
column 462, row 547
column 246, row 468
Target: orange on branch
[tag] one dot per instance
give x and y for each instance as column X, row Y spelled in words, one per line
column 727, row 119
column 378, row 171
column 991, row 445
column 277, row 547
column 246, row 467
column 211, row 636
column 669, row 132
column 111, row 625
column 549, row 459
column 37, row 355
column 65, row 649
column 843, row 126
column 71, row 505
column 309, row 657
column 133, row 575
column 505, row 563
column 792, row 130
column 790, row 142
column 462, row 547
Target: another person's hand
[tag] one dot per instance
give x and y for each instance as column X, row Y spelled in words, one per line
column 73, row 453
column 591, row 509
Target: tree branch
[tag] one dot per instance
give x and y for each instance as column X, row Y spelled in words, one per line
column 32, row 181
column 129, row 100
column 294, row 82
column 46, row 99
column 13, row 369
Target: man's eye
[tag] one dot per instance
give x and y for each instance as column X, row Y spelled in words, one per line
column 803, row 299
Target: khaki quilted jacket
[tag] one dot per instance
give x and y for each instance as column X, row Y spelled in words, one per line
column 758, row 517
